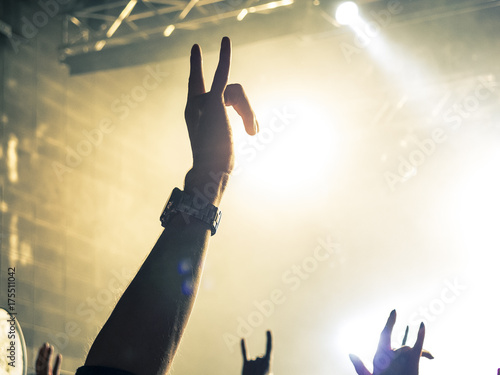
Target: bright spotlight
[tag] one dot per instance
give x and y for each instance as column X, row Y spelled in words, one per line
column 347, row 13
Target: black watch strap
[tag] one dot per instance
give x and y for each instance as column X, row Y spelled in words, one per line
column 185, row 203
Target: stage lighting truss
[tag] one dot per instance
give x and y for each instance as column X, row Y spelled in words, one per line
column 92, row 26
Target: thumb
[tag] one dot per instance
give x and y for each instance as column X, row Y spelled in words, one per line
column 358, row 365
column 426, row 354
column 234, row 96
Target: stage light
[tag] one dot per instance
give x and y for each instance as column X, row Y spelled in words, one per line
column 169, row 30
column 124, row 14
column 100, row 45
column 347, row 13
column 75, row 21
column 187, row 9
column 271, row 5
column 242, row 15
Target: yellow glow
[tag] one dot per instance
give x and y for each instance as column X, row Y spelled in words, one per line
column 292, row 152
column 359, row 336
column 242, row 15
column 76, row 21
column 169, row 30
column 479, row 216
column 271, row 5
column 100, row 45
column 113, row 28
column 187, row 9
column 12, row 158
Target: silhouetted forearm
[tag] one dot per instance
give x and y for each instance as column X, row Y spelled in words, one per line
column 145, row 328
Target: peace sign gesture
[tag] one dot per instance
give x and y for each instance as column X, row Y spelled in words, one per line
column 259, row 365
column 206, row 118
column 403, row 361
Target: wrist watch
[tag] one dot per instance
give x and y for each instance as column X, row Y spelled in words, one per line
column 184, row 203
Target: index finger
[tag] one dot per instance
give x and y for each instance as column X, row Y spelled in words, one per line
column 269, row 346
column 243, row 350
column 385, row 337
column 196, row 85
column 222, row 73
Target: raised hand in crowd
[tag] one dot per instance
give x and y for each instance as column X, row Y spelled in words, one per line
column 387, row 361
column 43, row 364
column 259, row 365
column 144, row 330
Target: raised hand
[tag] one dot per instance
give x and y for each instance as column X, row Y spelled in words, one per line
column 149, row 348
column 43, row 365
column 403, row 361
column 206, row 117
column 259, row 365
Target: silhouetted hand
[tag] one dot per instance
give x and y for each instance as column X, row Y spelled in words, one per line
column 206, row 118
column 150, row 348
column 259, row 365
column 403, row 361
column 43, row 364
